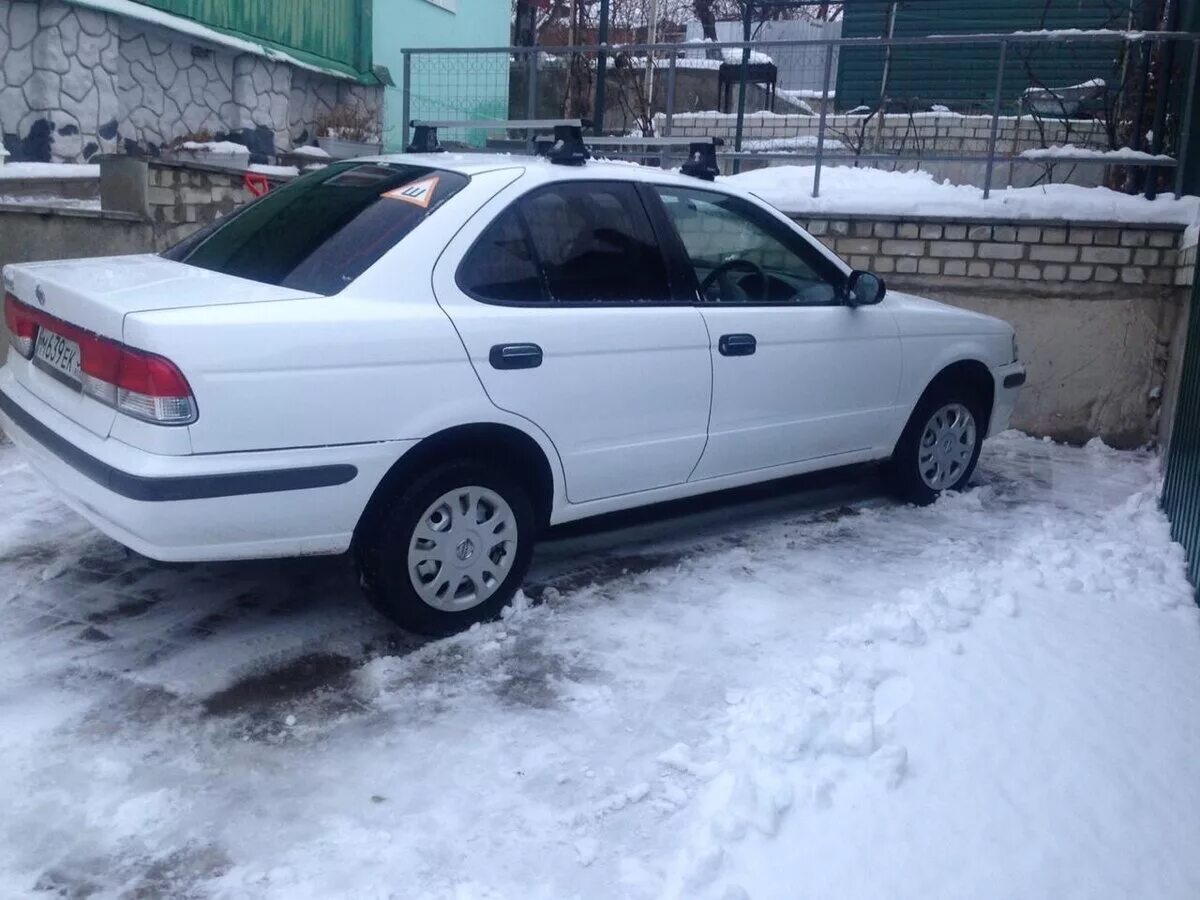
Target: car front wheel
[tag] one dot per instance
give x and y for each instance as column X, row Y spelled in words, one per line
column 939, row 447
column 449, row 550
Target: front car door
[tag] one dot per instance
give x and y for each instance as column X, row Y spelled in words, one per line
column 797, row 373
column 565, row 305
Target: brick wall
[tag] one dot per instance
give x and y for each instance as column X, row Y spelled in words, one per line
column 1051, row 257
column 185, row 197
column 1186, row 268
column 924, row 131
column 1097, row 307
column 175, row 198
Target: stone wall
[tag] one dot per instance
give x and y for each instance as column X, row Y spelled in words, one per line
column 1095, row 306
column 75, row 83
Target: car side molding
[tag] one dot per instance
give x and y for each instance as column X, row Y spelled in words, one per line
column 188, row 487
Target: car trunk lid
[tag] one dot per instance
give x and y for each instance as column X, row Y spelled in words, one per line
column 95, row 295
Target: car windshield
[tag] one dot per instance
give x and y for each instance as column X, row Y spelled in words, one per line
column 320, row 232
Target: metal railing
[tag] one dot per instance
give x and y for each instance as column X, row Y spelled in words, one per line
column 653, row 89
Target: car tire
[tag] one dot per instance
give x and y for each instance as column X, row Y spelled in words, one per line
column 450, row 549
column 940, row 445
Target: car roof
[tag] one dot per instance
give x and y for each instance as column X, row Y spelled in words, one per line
column 542, row 169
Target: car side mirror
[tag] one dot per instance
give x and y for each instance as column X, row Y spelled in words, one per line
column 864, row 288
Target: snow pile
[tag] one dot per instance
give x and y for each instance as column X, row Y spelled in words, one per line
column 733, row 57
column 50, row 202
column 50, row 171
column 800, row 142
column 310, row 151
column 216, row 148
column 275, row 171
column 863, row 191
column 994, row 697
column 1070, row 151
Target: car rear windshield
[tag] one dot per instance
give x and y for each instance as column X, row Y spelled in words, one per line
column 320, row 232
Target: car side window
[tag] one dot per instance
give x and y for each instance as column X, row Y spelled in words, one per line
column 500, row 267
column 742, row 255
column 595, row 244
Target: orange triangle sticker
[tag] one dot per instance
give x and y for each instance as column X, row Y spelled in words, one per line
column 418, row 193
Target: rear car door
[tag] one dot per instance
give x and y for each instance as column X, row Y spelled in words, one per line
column 797, row 374
column 564, row 302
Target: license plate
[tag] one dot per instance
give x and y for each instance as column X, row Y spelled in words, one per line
column 58, row 356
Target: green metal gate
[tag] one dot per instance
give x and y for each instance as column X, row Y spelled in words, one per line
column 330, row 33
column 1181, row 494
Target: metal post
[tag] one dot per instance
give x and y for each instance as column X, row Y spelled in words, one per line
column 668, row 121
column 821, row 124
column 991, row 159
column 531, row 95
column 651, row 38
column 668, row 124
column 1162, row 82
column 531, row 89
column 743, row 75
column 887, row 74
column 601, row 68
column 406, row 98
column 1189, row 108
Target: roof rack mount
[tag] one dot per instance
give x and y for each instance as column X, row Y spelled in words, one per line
column 569, row 147
column 425, row 132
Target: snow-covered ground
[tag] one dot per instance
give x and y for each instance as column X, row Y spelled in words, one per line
column 848, row 190
column 784, row 695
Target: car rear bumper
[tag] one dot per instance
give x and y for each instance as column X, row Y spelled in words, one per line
column 1009, row 381
column 205, row 507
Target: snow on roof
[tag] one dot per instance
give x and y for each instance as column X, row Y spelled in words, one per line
column 860, row 191
column 49, row 171
column 134, row 10
column 1090, row 84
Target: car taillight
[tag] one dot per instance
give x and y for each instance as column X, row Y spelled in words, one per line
column 22, row 325
column 139, row 384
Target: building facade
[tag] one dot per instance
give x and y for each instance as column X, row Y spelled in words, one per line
column 83, row 77
column 444, row 86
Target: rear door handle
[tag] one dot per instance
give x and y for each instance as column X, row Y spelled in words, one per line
column 515, row 356
column 737, row 345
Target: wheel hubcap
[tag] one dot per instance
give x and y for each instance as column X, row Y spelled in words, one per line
column 462, row 548
column 947, row 445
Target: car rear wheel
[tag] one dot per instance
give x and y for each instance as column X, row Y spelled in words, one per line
column 449, row 550
column 940, row 446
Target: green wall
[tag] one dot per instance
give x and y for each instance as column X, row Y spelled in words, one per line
column 965, row 78
column 331, row 33
column 444, row 86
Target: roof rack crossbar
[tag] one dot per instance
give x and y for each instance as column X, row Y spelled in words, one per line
column 501, row 124
column 628, row 141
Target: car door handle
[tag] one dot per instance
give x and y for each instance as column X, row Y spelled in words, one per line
column 515, row 356
column 737, row 345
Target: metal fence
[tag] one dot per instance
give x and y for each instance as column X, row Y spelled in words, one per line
column 1125, row 124
column 1181, row 488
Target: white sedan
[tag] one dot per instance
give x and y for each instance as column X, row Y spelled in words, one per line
column 427, row 359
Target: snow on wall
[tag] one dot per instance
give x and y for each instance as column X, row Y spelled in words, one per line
column 75, row 82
